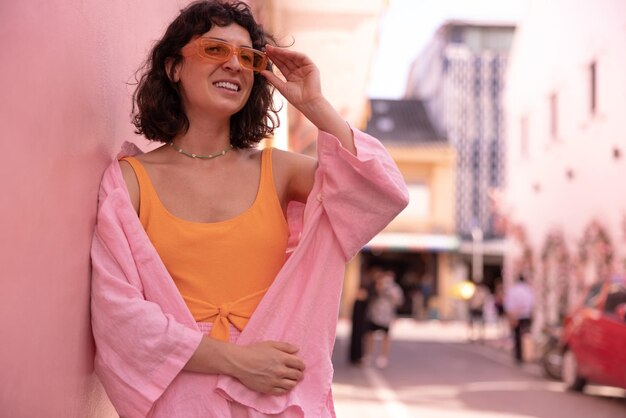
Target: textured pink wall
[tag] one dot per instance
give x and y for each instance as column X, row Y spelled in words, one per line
column 64, row 111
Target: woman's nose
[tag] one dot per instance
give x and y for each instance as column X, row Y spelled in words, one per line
column 233, row 63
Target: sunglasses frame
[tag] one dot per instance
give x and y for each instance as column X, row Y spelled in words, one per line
column 196, row 47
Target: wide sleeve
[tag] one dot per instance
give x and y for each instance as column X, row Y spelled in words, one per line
column 141, row 342
column 360, row 194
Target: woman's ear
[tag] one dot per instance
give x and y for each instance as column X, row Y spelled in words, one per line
column 172, row 70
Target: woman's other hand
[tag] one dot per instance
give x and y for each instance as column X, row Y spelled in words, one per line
column 269, row 367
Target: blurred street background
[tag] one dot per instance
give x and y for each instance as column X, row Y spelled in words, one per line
column 436, row 372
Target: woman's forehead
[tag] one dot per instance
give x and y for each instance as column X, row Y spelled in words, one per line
column 232, row 33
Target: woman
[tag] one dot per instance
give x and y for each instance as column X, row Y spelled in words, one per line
column 196, row 236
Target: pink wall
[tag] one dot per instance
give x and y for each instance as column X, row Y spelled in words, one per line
column 63, row 115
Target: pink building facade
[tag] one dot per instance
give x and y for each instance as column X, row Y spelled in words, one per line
column 564, row 206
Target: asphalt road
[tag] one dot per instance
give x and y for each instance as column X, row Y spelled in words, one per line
column 434, row 372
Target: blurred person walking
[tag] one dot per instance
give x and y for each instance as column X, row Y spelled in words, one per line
column 359, row 315
column 518, row 304
column 476, row 307
column 498, row 302
column 385, row 298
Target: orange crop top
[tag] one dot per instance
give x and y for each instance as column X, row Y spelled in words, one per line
column 222, row 269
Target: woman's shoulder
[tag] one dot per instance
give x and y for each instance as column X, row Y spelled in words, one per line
column 292, row 159
column 295, row 171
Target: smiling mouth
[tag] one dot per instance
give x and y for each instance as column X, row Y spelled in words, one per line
column 227, row 85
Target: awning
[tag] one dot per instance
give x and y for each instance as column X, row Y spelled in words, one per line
column 403, row 241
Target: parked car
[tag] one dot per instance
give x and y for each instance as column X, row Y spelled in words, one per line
column 594, row 338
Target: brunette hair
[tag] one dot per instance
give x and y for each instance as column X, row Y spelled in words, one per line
column 158, row 112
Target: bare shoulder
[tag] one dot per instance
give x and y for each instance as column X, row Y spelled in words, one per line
column 132, row 185
column 293, row 160
column 295, row 171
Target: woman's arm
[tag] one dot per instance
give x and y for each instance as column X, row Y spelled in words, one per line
column 302, row 88
column 269, row 367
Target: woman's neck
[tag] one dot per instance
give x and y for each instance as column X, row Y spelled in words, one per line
column 205, row 136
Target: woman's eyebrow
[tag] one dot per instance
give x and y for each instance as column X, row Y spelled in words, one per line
column 228, row 42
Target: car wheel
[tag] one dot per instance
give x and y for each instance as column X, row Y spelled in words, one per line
column 569, row 372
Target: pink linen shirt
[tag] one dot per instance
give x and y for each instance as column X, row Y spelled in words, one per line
column 145, row 334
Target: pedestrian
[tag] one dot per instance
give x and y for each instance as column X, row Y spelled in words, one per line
column 385, row 298
column 359, row 315
column 498, row 301
column 476, row 311
column 518, row 303
column 427, row 290
column 217, row 267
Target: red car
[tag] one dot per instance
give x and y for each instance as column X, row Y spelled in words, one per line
column 594, row 338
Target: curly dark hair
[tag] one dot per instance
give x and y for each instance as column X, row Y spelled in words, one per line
column 158, row 112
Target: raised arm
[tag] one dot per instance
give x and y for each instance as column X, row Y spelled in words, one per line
column 302, row 88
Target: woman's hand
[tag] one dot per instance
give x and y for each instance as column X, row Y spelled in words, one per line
column 269, row 367
column 302, row 88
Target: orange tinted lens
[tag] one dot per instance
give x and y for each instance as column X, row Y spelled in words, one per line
column 252, row 59
column 215, row 50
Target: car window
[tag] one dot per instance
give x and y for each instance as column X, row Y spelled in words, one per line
column 615, row 296
column 591, row 300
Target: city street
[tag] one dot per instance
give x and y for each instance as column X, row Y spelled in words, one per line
column 434, row 372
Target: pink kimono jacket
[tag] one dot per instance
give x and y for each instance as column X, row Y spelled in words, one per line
column 145, row 334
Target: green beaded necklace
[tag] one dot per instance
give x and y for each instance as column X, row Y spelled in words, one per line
column 202, row 157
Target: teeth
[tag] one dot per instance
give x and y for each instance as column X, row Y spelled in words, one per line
column 227, row 85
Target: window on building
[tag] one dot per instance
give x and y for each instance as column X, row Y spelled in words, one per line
column 419, row 207
column 494, row 163
column 476, row 179
column 554, row 116
column 524, row 137
column 477, row 77
column 593, row 87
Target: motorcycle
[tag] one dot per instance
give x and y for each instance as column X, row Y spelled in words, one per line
column 552, row 352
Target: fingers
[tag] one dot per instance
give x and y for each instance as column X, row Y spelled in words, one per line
column 286, row 59
column 294, row 363
column 291, row 361
column 290, row 379
column 270, row 367
column 273, row 79
column 293, row 65
column 286, row 347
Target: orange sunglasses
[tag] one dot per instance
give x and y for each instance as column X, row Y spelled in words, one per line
column 220, row 52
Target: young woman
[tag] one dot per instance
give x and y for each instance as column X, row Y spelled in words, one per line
column 217, row 266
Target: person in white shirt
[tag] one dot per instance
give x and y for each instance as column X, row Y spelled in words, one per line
column 519, row 301
column 384, row 301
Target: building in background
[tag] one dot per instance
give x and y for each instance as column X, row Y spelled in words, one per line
column 566, row 150
column 419, row 243
column 460, row 78
column 340, row 37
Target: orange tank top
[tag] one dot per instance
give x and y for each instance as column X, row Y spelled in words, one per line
column 222, row 269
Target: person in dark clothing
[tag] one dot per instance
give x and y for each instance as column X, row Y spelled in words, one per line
column 359, row 326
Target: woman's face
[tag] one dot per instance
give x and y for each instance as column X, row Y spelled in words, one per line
column 216, row 89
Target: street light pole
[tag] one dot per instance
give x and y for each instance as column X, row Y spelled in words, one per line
column 477, row 254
